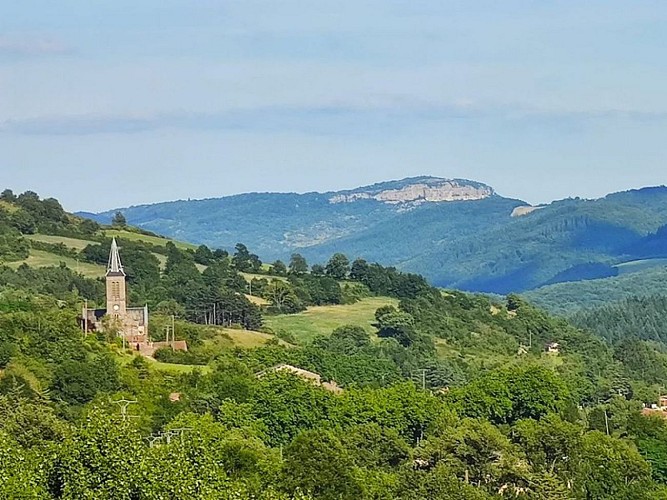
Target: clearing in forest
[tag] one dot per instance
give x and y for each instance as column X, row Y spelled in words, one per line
column 322, row 320
column 39, row 258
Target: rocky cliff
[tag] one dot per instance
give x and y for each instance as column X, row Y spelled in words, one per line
column 428, row 190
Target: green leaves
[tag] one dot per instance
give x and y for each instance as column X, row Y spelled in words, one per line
column 506, row 396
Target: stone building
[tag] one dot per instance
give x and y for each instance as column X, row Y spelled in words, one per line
column 130, row 322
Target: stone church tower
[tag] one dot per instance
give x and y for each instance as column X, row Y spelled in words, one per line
column 131, row 322
column 116, row 289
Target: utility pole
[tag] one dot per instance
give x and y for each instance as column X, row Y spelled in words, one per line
column 85, row 318
column 124, row 404
column 173, row 331
column 181, row 431
column 423, row 377
column 152, row 440
column 606, row 421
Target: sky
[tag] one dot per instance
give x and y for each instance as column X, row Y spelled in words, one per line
column 111, row 104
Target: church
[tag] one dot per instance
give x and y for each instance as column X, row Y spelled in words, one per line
column 131, row 323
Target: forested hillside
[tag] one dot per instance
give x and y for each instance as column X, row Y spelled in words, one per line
column 437, row 395
column 638, row 318
column 568, row 298
column 472, row 243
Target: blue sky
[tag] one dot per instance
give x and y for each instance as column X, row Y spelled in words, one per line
column 108, row 104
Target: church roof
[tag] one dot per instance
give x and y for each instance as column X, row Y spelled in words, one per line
column 115, row 266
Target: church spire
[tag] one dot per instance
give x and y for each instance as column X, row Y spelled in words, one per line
column 115, row 267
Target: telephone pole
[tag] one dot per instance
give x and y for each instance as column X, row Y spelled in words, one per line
column 423, row 377
column 124, row 404
column 85, row 317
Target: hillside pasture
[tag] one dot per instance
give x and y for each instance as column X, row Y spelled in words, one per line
column 154, row 240
column 8, row 207
column 250, row 276
column 258, row 301
column 39, row 258
column 248, row 339
column 322, row 320
column 74, row 243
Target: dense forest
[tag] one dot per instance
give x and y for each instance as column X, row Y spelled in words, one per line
column 452, row 395
column 638, row 317
column 568, row 298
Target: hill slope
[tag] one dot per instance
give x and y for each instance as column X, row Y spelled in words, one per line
column 458, row 233
column 312, row 222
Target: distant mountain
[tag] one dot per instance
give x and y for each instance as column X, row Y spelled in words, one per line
column 458, row 233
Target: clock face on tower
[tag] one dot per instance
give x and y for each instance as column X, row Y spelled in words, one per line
column 116, row 307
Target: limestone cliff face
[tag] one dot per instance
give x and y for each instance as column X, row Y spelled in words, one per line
column 440, row 190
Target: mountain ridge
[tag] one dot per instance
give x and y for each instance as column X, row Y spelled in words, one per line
column 474, row 244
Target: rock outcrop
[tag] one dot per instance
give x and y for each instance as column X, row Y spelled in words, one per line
column 440, row 190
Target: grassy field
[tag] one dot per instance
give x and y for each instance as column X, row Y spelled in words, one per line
column 176, row 368
column 124, row 359
column 248, row 339
column 78, row 245
column 74, row 243
column 250, row 276
column 118, row 233
column 322, row 320
column 8, row 207
column 38, row 258
column 259, row 301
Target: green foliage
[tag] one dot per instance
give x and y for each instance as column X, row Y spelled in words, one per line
column 609, row 468
column 119, row 220
column 279, row 268
column 80, row 381
column 338, row 266
column 12, row 245
column 376, row 447
column 317, row 462
column 59, row 282
column 512, row 394
column 641, row 318
column 287, row 405
column 495, row 417
column 244, row 261
column 30, row 214
column 19, row 471
column 297, row 264
column 397, row 325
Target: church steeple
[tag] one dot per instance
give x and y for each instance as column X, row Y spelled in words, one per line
column 115, row 266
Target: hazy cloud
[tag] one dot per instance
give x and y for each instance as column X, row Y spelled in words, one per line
column 335, row 119
column 198, row 99
column 32, row 46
